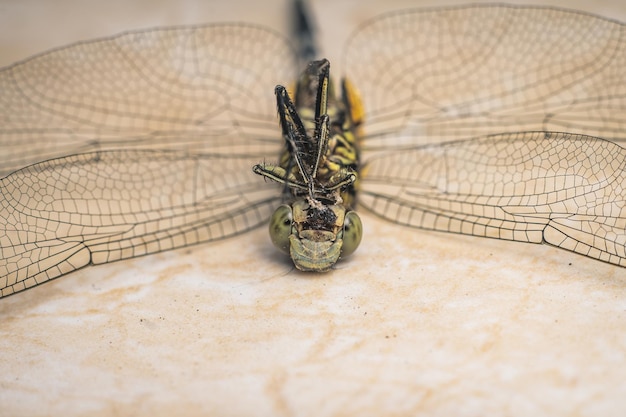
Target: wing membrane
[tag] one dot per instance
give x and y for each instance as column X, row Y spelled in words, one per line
column 562, row 189
column 432, row 75
column 100, row 207
column 198, row 87
column 178, row 117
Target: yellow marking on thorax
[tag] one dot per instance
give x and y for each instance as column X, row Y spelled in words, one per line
column 342, row 150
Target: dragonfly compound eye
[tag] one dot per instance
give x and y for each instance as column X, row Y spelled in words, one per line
column 352, row 233
column 280, row 227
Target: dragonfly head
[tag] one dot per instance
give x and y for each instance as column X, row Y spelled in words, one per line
column 315, row 234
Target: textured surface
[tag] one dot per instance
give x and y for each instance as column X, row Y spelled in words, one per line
column 416, row 322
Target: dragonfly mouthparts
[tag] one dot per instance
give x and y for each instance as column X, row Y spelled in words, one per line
column 319, row 217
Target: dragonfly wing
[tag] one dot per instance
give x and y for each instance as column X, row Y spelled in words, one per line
column 162, row 127
column 197, row 87
column 562, row 189
column 62, row 214
column 431, row 75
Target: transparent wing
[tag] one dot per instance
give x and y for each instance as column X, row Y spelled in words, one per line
column 199, row 87
column 177, row 118
column 452, row 97
column 431, row 75
column 563, row 189
column 93, row 208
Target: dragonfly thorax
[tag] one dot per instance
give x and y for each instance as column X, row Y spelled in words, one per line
column 319, row 169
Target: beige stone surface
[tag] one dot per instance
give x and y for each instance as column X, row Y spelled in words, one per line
column 416, row 323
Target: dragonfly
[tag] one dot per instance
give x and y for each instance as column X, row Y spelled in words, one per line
column 488, row 120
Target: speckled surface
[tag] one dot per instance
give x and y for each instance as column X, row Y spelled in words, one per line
column 416, row 323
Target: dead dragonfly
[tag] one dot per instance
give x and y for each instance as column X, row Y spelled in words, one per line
column 143, row 142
